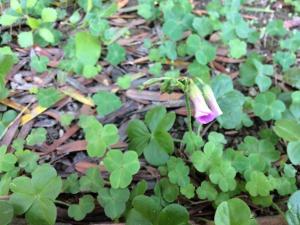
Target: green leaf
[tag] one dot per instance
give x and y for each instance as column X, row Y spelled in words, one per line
column 178, row 172
column 39, row 64
column 36, row 136
column 116, row 54
column 98, row 138
column 293, row 150
column 287, row 129
column 258, row 184
column 158, row 144
column 145, row 211
column 6, row 213
column 173, row 214
column 203, row 26
column 276, row 28
column 66, row 119
column 192, row 141
column 293, row 213
column 124, row 82
column 264, row 148
column 106, row 102
column 238, row 48
column 226, row 213
column 166, row 191
column 267, row 107
column 113, row 201
column 188, row 191
column 25, row 39
column 48, row 96
column 172, row 29
column 207, row 191
column 86, row 205
column 91, row 181
column 49, row 15
column 292, row 77
column 121, row 167
column 87, row 48
column 35, row 197
column 27, row 160
column 285, row 59
column 71, row 184
column 7, row 20
column 206, row 53
column 47, row 35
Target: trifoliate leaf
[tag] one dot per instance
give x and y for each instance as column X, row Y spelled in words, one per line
column 85, row 206
column 35, row 197
column 267, row 107
column 91, row 181
column 48, row 96
column 178, row 172
column 7, row 160
column 258, row 185
column 106, row 102
column 122, row 166
column 37, row 136
column 116, row 54
column 207, row 191
column 113, row 201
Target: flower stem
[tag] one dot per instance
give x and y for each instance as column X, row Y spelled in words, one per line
column 189, row 112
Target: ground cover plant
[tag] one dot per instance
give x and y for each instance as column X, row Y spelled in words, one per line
column 149, row 112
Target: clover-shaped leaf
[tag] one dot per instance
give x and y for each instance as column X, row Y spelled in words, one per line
column 48, row 96
column 178, row 172
column 212, row 155
column 98, row 138
column 207, row 191
column 113, row 201
column 36, row 136
column 71, row 184
column 223, row 174
column 91, row 181
column 153, row 138
column 122, row 166
column 116, row 54
column 258, row 184
column 267, row 107
column 264, row 148
column 79, row 211
column 35, row 197
column 106, row 102
column 7, row 160
column 27, row 160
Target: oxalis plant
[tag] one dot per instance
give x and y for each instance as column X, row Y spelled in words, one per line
column 230, row 155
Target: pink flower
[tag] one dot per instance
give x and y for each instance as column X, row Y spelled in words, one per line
column 206, row 106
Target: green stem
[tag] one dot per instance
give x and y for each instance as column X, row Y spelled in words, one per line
column 189, row 112
column 254, row 9
column 275, row 206
column 62, row 203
